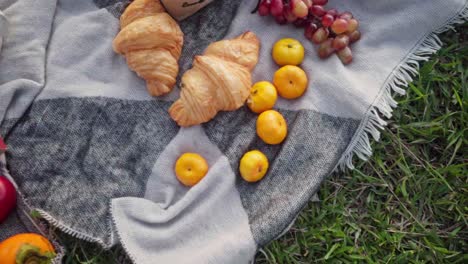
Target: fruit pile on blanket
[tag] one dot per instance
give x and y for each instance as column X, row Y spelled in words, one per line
column 290, row 82
column 332, row 30
column 220, row 80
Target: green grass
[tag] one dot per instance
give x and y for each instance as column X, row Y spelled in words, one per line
column 407, row 204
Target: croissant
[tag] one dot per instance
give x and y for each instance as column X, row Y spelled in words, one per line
column 219, row 80
column 151, row 41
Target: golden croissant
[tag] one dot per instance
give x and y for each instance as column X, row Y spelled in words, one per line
column 151, row 41
column 219, row 80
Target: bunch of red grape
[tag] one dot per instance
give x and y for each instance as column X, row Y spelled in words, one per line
column 333, row 31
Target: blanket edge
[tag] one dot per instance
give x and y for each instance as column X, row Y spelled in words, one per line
column 372, row 124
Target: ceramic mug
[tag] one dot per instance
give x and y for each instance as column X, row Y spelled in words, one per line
column 3, row 28
column 181, row 9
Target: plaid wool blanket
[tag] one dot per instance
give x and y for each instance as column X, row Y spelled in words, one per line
column 93, row 154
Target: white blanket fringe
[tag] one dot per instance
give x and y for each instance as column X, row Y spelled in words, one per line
column 373, row 123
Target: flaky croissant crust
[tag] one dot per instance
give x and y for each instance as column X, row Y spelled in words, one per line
column 219, row 80
column 151, row 41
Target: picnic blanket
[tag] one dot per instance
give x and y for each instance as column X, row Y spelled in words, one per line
column 93, row 153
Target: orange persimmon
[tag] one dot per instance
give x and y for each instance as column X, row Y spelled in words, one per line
column 26, row 248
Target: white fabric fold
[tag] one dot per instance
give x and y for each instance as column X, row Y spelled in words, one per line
column 177, row 224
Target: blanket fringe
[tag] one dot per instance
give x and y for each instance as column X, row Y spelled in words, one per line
column 69, row 231
column 27, row 208
column 24, row 210
column 373, row 122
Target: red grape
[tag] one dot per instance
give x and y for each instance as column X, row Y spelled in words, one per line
column 354, row 36
column 353, row 25
column 333, row 12
column 310, row 30
column 308, row 3
column 346, row 15
column 345, row 55
column 333, row 31
column 325, row 49
column 288, row 14
column 320, row 35
column 340, row 26
column 264, row 8
column 280, row 19
column 276, row 7
column 316, row 20
column 318, row 10
column 300, row 22
column 340, row 42
column 299, row 8
column 320, row 2
column 327, row 20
